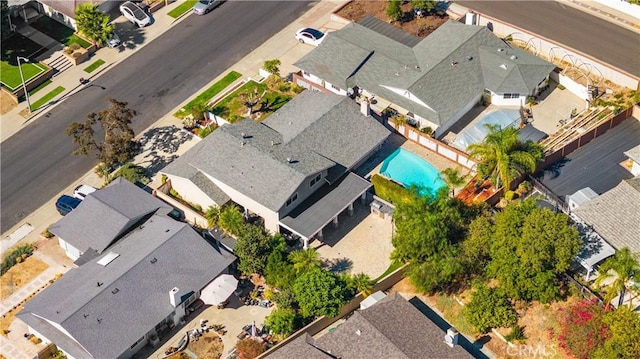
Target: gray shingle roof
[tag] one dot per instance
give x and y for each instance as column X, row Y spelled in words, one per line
column 391, row 328
column 634, row 154
column 614, row 214
column 315, row 131
column 106, row 214
column 357, row 55
column 107, row 322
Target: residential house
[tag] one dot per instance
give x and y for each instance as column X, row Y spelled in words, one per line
column 293, row 169
column 615, row 214
column 118, row 301
column 390, row 328
column 433, row 81
column 104, row 217
column 64, row 10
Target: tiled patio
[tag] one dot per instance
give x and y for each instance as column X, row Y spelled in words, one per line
column 554, row 105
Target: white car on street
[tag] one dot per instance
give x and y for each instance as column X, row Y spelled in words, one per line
column 135, row 14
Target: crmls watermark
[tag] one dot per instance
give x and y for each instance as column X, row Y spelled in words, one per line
column 540, row 350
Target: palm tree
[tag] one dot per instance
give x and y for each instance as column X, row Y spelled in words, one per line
column 503, row 156
column 621, row 268
column 93, row 23
column 212, row 215
column 453, row 178
column 362, row 283
column 230, row 219
column 304, row 260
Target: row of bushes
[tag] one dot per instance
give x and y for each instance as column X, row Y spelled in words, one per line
column 390, row 191
column 16, row 256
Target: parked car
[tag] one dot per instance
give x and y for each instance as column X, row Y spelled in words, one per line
column 310, row 36
column 114, row 40
column 66, row 204
column 135, row 14
column 82, row 191
column 204, row 6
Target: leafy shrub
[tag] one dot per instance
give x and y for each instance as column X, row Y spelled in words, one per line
column 250, row 348
column 509, row 195
column 582, row 329
column 47, row 234
column 273, row 66
column 132, row 173
column 282, row 321
column 284, row 86
column 35, row 340
column 394, row 11
column 163, row 179
column 389, row 190
column 517, row 333
column 16, row 256
column 490, row 308
column 174, row 193
column 561, row 87
column 427, row 130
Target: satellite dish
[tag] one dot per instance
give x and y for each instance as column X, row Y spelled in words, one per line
column 350, row 91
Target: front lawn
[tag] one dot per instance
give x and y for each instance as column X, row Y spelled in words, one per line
column 14, row 46
column 182, row 8
column 10, row 74
column 208, row 94
column 94, row 66
column 46, row 98
column 233, row 109
column 58, row 32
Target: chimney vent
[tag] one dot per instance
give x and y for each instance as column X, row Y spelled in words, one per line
column 451, row 338
column 365, row 107
column 174, row 297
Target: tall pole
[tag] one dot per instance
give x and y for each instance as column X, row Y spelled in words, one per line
column 24, row 84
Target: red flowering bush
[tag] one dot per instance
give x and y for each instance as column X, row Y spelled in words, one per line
column 582, row 330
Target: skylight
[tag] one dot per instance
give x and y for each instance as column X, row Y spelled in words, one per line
column 108, row 258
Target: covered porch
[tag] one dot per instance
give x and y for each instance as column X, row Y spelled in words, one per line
column 309, row 219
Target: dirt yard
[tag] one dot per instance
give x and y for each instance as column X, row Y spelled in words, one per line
column 19, row 275
column 6, row 103
column 420, row 27
column 208, row 346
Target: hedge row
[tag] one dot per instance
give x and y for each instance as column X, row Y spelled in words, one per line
column 390, row 191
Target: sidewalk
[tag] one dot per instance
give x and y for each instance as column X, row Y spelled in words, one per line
column 604, row 12
column 13, row 121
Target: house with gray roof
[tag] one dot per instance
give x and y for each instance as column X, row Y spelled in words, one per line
column 117, row 302
column 293, row 169
column 63, row 11
column 390, row 328
column 614, row 214
column 105, row 216
column 434, row 81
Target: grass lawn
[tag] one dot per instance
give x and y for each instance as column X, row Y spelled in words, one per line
column 94, row 66
column 10, row 75
column 232, row 108
column 40, row 87
column 209, row 93
column 452, row 311
column 59, row 32
column 182, row 8
column 46, row 98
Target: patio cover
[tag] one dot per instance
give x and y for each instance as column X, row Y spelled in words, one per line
column 219, row 290
column 324, row 205
column 595, row 248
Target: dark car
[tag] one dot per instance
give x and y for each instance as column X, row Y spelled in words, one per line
column 66, row 204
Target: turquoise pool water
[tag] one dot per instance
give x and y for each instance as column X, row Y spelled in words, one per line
column 409, row 169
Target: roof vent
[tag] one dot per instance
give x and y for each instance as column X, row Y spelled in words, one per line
column 358, row 332
column 100, row 284
column 166, row 230
column 451, row 338
column 244, row 135
column 513, row 57
column 454, row 63
column 271, row 142
column 115, row 291
column 469, row 57
column 85, row 316
column 500, row 49
column 289, row 160
column 417, row 67
column 503, row 66
column 153, row 260
column 241, row 143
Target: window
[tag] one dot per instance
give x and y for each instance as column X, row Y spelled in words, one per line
column 292, row 199
column 315, row 180
column 510, row 95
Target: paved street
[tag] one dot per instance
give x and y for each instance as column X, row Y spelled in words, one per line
column 37, row 161
column 591, row 35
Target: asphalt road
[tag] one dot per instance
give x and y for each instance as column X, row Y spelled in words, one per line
column 591, row 35
column 37, row 162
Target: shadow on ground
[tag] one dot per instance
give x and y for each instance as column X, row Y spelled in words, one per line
column 159, row 146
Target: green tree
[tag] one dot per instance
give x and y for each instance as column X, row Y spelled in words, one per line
column 360, row 283
column 620, row 270
column 304, row 260
column 624, row 340
column 279, row 271
column 231, row 220
column 252, row 249
column 132, row 173
column 502, row 156
column 212, row 215
column 394, row 11
column 272, row 66
column 118, row 145
column 285, row 298
column 529, row 247
column 424, row 5
column 4, row 16
column 282, row 321
column 475, row 248
column 93, row 23
column 490, row 308
column 320, row 292
column 454, row 178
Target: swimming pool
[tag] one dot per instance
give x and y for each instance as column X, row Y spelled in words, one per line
column 409, row 169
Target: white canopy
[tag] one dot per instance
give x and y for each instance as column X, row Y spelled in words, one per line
column 219, row 290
